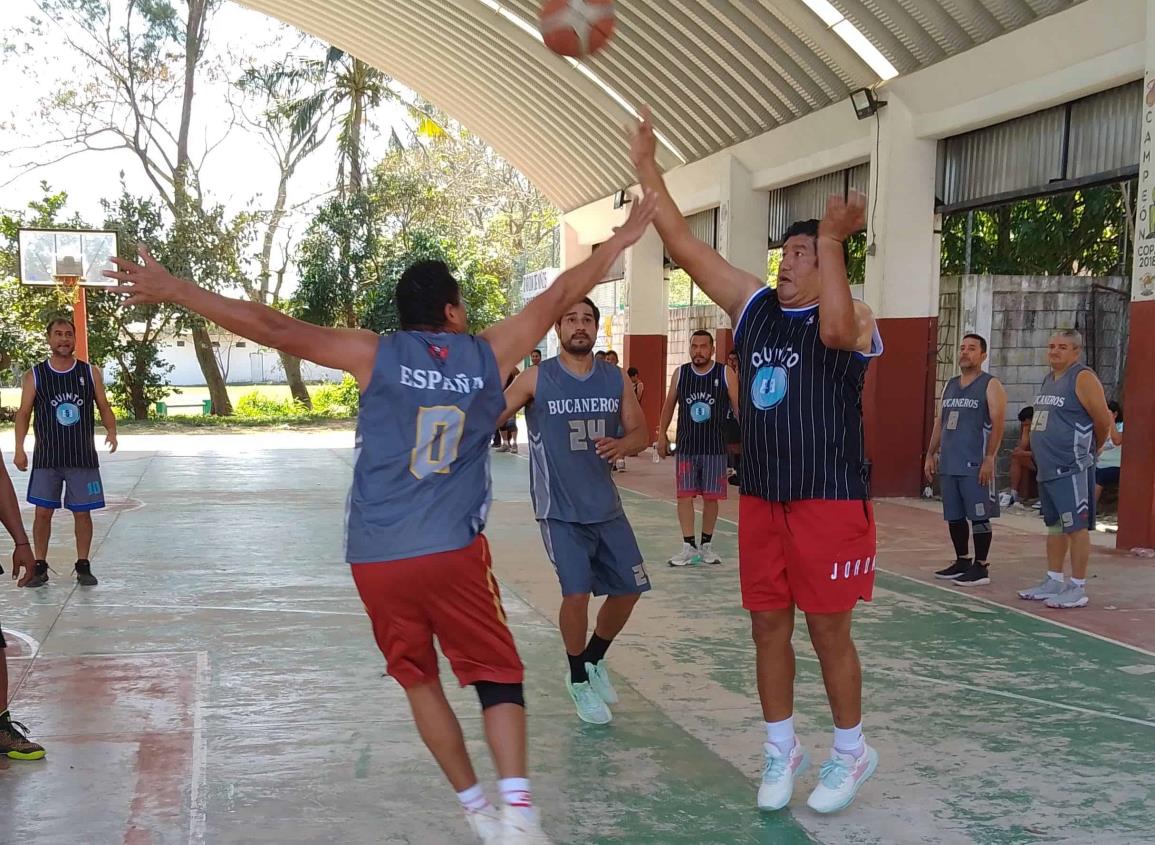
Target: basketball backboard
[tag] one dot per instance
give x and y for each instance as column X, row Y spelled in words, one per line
column 46, row 254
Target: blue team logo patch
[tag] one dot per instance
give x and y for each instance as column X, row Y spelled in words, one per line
column 768, row 387
column 700, row 412
column 67, row 414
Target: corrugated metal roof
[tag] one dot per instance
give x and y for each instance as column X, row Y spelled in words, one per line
column 716, row 72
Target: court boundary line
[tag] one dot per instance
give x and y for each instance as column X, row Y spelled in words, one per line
column 198, row 813
column 960, row 595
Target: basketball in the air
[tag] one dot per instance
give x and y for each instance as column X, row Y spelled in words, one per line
column 577, row 28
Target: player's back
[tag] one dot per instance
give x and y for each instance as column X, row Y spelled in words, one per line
column 421, row 478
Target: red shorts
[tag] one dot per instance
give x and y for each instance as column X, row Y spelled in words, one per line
column 450, row 595
column 817, row 554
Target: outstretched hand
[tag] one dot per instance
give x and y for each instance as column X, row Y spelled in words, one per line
column 843, row 217
column 146, row 283
column 643, row 142
column 641, row 216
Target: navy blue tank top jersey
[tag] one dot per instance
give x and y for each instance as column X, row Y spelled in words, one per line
column 63, row 418
column 703, row 405
column 965, row 423
column 801, row 406
column 568, row 415
column 421, row 477
column 1062, row 432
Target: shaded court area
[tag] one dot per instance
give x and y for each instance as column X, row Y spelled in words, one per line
column 221, row 684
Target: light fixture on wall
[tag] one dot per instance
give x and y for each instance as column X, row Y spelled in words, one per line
column 621, row 198
column 865, row 103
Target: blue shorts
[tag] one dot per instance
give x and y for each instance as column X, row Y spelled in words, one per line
column 602, row 558
column 81, row 488
column 1107, row 476
column 964, row 498
column 1067, row 501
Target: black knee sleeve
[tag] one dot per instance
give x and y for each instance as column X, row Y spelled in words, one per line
column 491, row 694
column 981, row 527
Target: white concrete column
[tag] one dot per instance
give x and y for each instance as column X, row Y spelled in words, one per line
column 743, row 219
column 573, row 251
column 646, row 294
column 902, row 273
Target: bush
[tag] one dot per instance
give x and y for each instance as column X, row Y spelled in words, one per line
column 255, row 404
column 337, row 400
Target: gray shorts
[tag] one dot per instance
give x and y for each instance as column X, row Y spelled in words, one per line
column 602, row 558
column 1068, row 502
column 964, row 498
column 81, row 488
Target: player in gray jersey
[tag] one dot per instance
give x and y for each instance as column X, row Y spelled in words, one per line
column 431, row 395
column 1071, row 417
column 575, row 408
column 969, row 428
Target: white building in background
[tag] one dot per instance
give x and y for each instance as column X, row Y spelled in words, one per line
column 241, row 362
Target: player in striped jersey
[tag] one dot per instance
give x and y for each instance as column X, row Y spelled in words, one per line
column 806, row 534
column 60, row 395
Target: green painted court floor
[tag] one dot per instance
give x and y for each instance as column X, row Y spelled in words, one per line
column 221, row 686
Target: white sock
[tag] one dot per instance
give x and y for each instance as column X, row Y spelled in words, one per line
column 1055, row 576
column 473, row 799
column 1079, row 582
column 781, row 734
column 515, row 792
column 850, row 741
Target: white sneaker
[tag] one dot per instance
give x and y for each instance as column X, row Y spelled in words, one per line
column 599, row 675
column 1007, row 498
column 687, row 556
column 840, row 779
column 513, row 448
column 1049, row 588
column 779, row 774
column 1072, row 596
column 590, row 706
column 485, row 824
column 504, row 447
column 521, row 826
column 706, row 554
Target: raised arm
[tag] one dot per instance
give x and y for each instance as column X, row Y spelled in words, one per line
column 352, row 350
column 667, row 417
column 1091, row 396
column 997, row 405
column 107, row 417
column 724, row 283
column 519, row 394
column 843, row 323
column 514, row 337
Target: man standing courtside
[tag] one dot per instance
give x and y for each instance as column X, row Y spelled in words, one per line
column 431, row 395
column 59, row 397
column 575, row 407
column 969, row 430
column 806, row 534
column 1071, row 416
column 703, row 393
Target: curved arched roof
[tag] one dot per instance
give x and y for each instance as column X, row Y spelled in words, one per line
column 717, row 72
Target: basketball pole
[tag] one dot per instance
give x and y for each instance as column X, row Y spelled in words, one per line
column 79, row 313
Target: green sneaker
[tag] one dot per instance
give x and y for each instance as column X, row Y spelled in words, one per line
column 600, row 680
column 590, row 706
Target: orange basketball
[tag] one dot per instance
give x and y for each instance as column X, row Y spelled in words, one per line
column 577, row 28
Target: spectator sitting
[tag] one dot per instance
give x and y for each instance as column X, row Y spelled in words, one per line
column 1024, row 487
column 1111, row 455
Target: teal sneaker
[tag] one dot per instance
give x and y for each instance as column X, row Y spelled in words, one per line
column 590, row 706
column 600, row 680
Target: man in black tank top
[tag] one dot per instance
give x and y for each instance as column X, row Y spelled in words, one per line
column 60, row 396
column 704, row 394
column 968, row 430
column 806, row 535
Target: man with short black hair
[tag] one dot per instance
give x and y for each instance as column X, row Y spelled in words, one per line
column 416, row 513
column 60, row 396
column 535, row 357
column 1071, row 417
column 969, row 429
column 704, row 393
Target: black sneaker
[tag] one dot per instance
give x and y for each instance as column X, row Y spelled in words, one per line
column 14, row 741
column 977, row 576
column 39, row 576
column 955, row 570
column 84, row 576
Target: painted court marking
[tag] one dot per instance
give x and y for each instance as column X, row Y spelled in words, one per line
column 31, row 642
